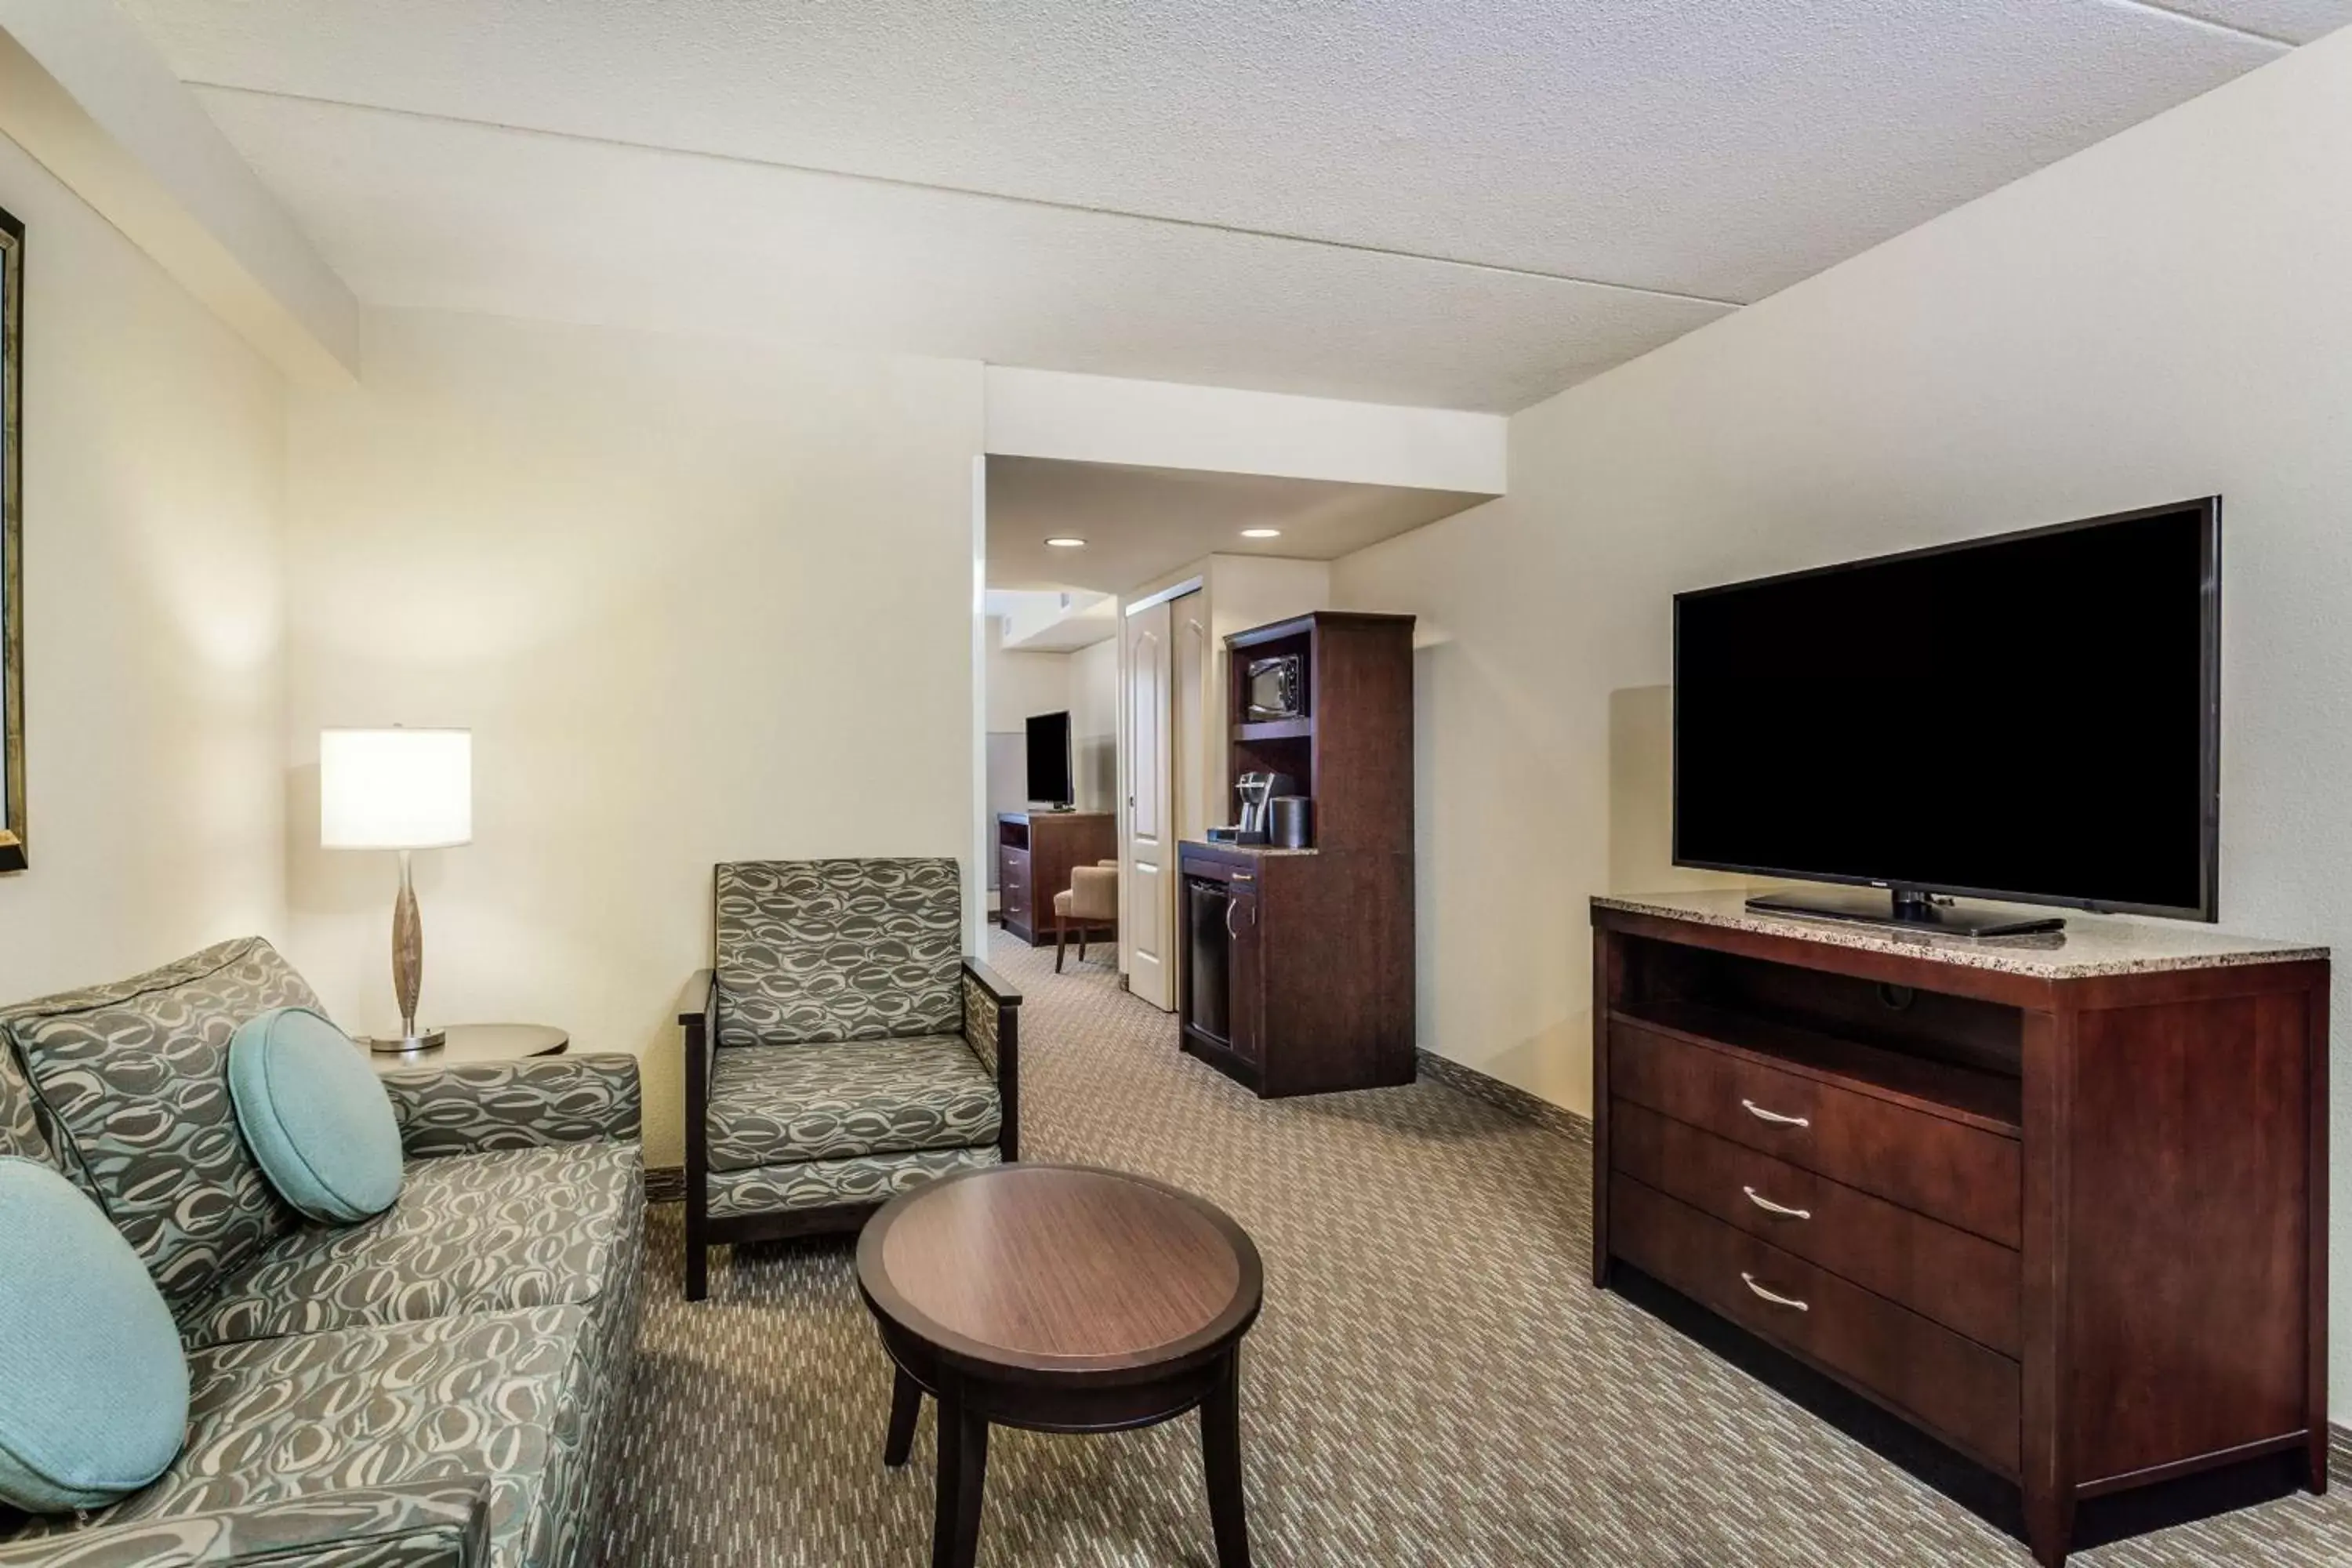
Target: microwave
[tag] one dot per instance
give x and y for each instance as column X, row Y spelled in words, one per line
column 1275, row 688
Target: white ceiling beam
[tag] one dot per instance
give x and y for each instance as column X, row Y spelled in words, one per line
column 1163, row 425
column 83, row 91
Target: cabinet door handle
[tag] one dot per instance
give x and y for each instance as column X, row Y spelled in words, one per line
column 1774, row 1297
column 1769, row 1206
column 1774, row 1117
column 1232, row 908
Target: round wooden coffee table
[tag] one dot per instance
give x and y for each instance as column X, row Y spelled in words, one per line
column 1060, row 1299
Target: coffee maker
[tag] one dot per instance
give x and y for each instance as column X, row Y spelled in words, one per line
column 1256, row 789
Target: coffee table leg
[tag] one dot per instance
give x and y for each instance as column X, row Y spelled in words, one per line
column 1221, row 1455
column 963, row 1468
column 905, row 1403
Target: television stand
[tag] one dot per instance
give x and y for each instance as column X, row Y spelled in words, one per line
column 2061, row 1207
column 1906, row 908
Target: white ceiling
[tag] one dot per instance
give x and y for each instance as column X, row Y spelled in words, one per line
column 1417, row 201
column 1141, row 523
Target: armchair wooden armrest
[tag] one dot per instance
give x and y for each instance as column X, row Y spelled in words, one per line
column 697, row 1017
column 995, row 985
column 694, row 1002
column 991, row 1027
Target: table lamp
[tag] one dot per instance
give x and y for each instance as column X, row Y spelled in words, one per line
column 405, row 790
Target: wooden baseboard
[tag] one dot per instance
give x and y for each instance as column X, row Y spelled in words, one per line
column 1503, row 1096
column 664, row 1183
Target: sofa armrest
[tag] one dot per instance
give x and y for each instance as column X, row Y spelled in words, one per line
column 431, row 1524
column 991, row 1027
column 478, row 1106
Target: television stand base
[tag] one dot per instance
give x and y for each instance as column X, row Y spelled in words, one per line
column 1905, row 908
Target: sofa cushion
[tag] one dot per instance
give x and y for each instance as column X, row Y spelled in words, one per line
column 470, row 1233
column 93, row 1388
column 131, row 1083
column 837, row 949
column 774, row 1104
column 316, row 1116
column 828, row 1183
column 506, row 1395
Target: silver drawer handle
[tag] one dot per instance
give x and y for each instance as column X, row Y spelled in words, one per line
column 1769, row 1206
column 1762, row 1114
column 1776, row 1299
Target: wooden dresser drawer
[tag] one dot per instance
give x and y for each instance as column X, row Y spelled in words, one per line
column 1955, row 1171
column 1957, row 1388
column 1961, row 1280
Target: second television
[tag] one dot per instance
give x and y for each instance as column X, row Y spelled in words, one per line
column 2032, row 717
column 1049, row 761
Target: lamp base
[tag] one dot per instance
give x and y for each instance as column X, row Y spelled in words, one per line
column 405, row 1044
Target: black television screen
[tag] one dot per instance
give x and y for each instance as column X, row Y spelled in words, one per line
column 1049, row 759
column 2034, row 716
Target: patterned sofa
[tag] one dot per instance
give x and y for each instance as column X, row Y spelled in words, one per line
column 439, row 1387
column 839, row 1051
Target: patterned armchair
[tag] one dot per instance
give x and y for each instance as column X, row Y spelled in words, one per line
column 839, row 1050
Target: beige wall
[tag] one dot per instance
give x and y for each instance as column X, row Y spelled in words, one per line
column 696, row 603
column 1022, row 682
column 1085, row 682
column 1094, row 723
column 2162, row 316
column 154, row 507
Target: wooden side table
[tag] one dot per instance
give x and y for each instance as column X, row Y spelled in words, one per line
column 479, row 1043
column 1060, row 1299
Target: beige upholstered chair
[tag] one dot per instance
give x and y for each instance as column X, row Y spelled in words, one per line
column 1089, row 902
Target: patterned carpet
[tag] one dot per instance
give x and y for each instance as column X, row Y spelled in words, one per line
column 1433, row 1382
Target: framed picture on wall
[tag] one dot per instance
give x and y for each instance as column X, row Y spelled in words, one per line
column 12, row 544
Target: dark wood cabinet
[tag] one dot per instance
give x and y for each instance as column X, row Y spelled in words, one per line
column 2058, row 1202
column 1222, row 999
column 1245, row 940
column 1294, row 983
column 1035, row 851
column 1299, row 972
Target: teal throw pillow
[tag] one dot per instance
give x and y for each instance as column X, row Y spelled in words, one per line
column 315, row 1114
column 93, row 1385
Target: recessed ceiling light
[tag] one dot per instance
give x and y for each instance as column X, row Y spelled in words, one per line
column 1063, row 542
column 1261, row 533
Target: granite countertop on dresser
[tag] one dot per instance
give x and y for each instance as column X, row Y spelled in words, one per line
column 2090, row 945
column 1267, row 851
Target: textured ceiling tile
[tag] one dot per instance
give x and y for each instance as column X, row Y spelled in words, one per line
column 1717, row 147
column 430, row 213
column 2296, row 21
column 1713, row 148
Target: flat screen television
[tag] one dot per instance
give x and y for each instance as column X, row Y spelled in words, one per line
column 2033, row 717
column 1049, row 759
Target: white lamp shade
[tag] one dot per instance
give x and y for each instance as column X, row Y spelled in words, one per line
column 396, row 789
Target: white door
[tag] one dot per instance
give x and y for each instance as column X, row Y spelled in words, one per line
column 1151, row 848
column 1189, row 635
